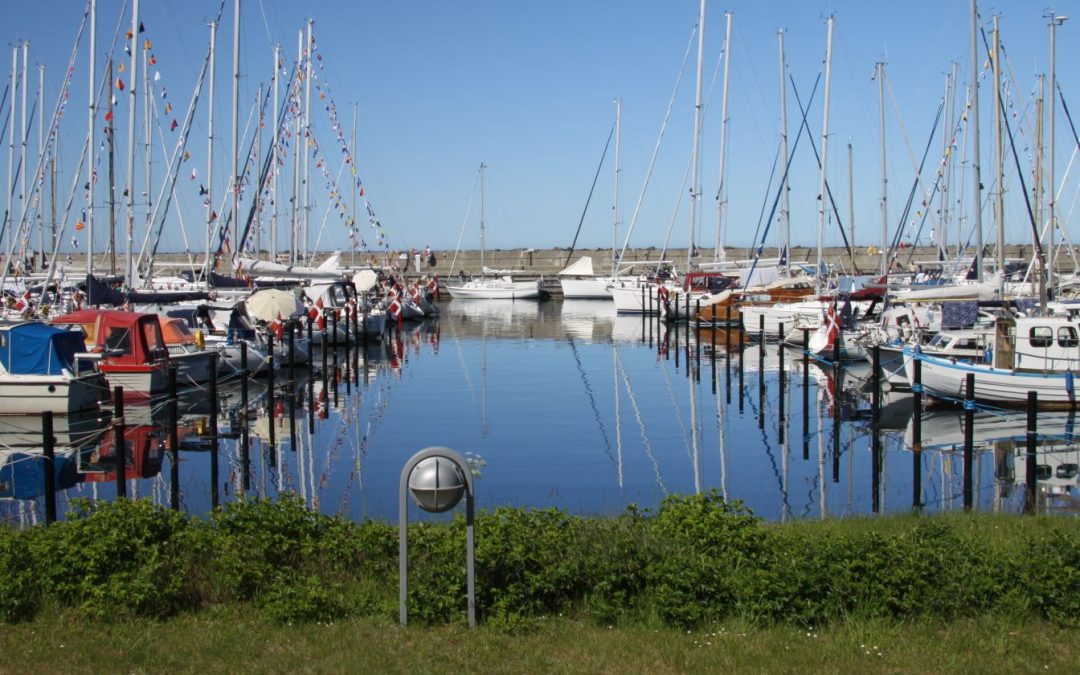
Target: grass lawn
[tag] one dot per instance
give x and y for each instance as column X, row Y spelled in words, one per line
column 236, row 639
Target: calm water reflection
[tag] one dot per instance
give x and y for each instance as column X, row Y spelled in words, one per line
column 558, row 404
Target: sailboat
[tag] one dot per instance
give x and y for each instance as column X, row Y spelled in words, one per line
column 492, row 288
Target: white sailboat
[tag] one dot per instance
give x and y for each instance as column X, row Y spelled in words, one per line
column 492, row 288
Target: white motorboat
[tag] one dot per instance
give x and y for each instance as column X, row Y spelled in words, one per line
column 44, row 368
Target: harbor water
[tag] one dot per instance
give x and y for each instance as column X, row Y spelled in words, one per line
column 558, row 404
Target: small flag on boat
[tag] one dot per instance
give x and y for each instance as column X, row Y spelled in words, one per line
column 202, row 190
column 172, row 127
column 120, row 68
column 108, row 117
column 24, row 301
column 119, row 84
column 157, row 76
column 153, row 60
column 142, row 28
column 146, row 45
column 168, row 107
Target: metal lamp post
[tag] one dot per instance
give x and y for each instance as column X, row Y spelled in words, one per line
column 436, row 477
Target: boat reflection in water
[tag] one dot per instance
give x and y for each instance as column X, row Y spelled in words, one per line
column 562, row 404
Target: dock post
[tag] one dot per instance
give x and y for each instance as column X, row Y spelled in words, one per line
column 741, row 375
column 969, row 437
column 783, row 383
column 48, row 442
column 120, row 449
column 644, row 314
column 1031, row 460
column 292, row 352
column 214, row 468
column 245, row 446
column 333, row 328
column 270, row 396
column 348, row 351
column 174, row 441
column 806, row 395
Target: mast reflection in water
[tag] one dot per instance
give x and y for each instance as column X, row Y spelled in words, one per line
column 557, row 404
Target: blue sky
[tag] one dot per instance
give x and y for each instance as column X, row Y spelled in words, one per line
column 529, row 89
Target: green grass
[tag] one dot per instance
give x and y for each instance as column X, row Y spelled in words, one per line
column 237, row 639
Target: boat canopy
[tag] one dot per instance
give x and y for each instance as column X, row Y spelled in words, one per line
column 124, row 333
column 581, row 267
column 36, row 348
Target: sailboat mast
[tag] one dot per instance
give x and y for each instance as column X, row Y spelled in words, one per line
column 41, row 149
column 234, row 183
column 111, row 130
column 719, row 253
column 946, row 153
column 274, row 167
column 91, row 174
column 1055, row 21
column 11, row 145
column 975, row 160
column 785, row 213
column 210, row 219
column 296, row 152
column 824, row 151
column 352, row 239
column 695, row 181
column 258, row 153
column 148, row 150
column 884, row 172
column 132, row 115
column 999, row 153
column 307, row 143
column 618, row 175
column 482, row 243
column 23, row 131
column 851, row 199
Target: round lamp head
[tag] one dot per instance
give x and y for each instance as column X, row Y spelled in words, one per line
column 436, row 484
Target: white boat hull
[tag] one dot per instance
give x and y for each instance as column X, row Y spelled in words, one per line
column 495, row 289
column 34, row 394
column 583, row 288
column 946, row 379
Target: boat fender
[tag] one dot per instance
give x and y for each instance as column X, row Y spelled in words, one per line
column 1069, row 385
column 200, row 339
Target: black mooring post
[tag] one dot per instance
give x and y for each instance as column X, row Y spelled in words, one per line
column 348, row 352
column 214, row 469
column 48, row 443
column 334, row 370
column 644, row 313
column 1031, row 464
column 742, row 368
column 783, row 382
column 245, row 446
column 875, row 384
column 270, row 395
column 917, row 396
column 292, row 353
column 174, row 441
column 806, row 394
column 310, row 344
column 121, row 450
column 969, row 438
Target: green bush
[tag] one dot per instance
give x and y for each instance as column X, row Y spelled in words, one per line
column 115, row 559
column 695, row 560
column 19, row 590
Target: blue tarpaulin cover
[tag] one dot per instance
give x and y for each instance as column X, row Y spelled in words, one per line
column 35, row 348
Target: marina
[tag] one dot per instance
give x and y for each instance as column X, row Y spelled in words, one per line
column 559, row 404
column 290, row 338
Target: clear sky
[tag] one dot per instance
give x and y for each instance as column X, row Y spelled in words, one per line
column 529, row 89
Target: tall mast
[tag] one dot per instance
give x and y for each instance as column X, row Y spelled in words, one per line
column 618, row 174
column 257, row 196
column 1036, row 188
column 352, row 239
column 975, row 161
column 90, row 140
column 148, row 150
column 999, row 153
column 946, row 152
column 884, row 172
column 1055, row 21
column 296, row 151
column 112, row 169
column 482, row 244
column 719, row 253
column 695, row 181
column 851, row 199
column 41, row 149
column 824, row 152
column 274, row 162
column 132, row 115
column 22, row 131
column 210, row 220
column 11, row 144
column 785, row 213
column 234, row 184
column 307, row 143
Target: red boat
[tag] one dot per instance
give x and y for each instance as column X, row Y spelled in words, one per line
column 133, row 352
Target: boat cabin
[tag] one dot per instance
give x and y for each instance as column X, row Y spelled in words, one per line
column 122, row 337
column 1037, row 344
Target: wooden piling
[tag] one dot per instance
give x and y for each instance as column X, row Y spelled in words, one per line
column 48, row 443
column 120, row 450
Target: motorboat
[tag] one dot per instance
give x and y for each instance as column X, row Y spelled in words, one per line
column 43, row 367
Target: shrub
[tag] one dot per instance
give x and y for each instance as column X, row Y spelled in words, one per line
column 306, row 598
column 19, row 590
